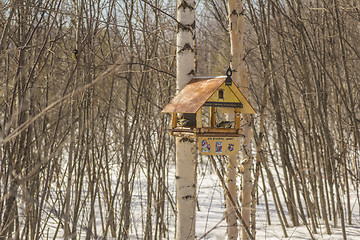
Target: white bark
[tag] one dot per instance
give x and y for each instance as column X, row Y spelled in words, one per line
column 185, row 188
column 232, row 225
column 185, row 43
column 236, row 28
column 246, row 177
column 186, row 154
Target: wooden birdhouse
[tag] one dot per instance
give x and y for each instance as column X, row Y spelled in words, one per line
column 209, row 108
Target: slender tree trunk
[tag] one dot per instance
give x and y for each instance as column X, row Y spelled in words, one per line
column 67, row 227
column 232, row 225
column 235, row 40
column 7, row 227
column 263, row 38
column 237, row 22
column 185, row 148
column 127, row 130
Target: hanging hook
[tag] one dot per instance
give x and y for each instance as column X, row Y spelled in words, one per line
column 228, row 80
column 228, row 72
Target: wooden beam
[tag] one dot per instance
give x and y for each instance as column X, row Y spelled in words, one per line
column 199, row 118
column 219, row 130
column 237, row 118
column 174, row 120
column 212, row 116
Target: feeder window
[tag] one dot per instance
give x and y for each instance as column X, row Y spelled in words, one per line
column 221, row 94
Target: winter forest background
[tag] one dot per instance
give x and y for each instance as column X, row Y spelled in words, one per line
column 85, row 152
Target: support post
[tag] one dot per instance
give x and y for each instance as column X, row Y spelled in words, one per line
column 212, row 117
column 237, row 118
column 199, row 118
column 174, row 120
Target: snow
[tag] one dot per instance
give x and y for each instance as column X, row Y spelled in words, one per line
column 211, row 223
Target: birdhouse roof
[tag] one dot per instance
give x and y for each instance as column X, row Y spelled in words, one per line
column 195, row 94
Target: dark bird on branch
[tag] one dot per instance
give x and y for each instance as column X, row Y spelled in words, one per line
column 75, row 55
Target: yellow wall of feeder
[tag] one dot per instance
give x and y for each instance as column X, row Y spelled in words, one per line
column 230, row 94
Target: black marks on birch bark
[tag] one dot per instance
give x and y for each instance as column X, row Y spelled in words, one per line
column 192, row 72
column 184, row 5
column 186, row 27
column 187, row 197
column 234, row 13
column 186, row 47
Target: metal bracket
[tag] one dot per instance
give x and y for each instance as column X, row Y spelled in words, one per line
column 228, row 80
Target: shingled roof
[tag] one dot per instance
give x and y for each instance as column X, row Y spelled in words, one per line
column 194, row 95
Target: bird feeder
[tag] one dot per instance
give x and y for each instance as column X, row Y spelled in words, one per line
column 208, row 109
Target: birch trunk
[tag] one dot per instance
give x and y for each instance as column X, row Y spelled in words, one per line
column 185, row 59
column 236, row 28
column 246, row 178
column 185, row 147
column 185, row 188
column 232, row 225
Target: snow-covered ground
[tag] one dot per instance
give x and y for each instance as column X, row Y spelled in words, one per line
column 211, row 223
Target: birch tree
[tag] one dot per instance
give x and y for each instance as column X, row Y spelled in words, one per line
column 236, row 28
column 185, row 147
